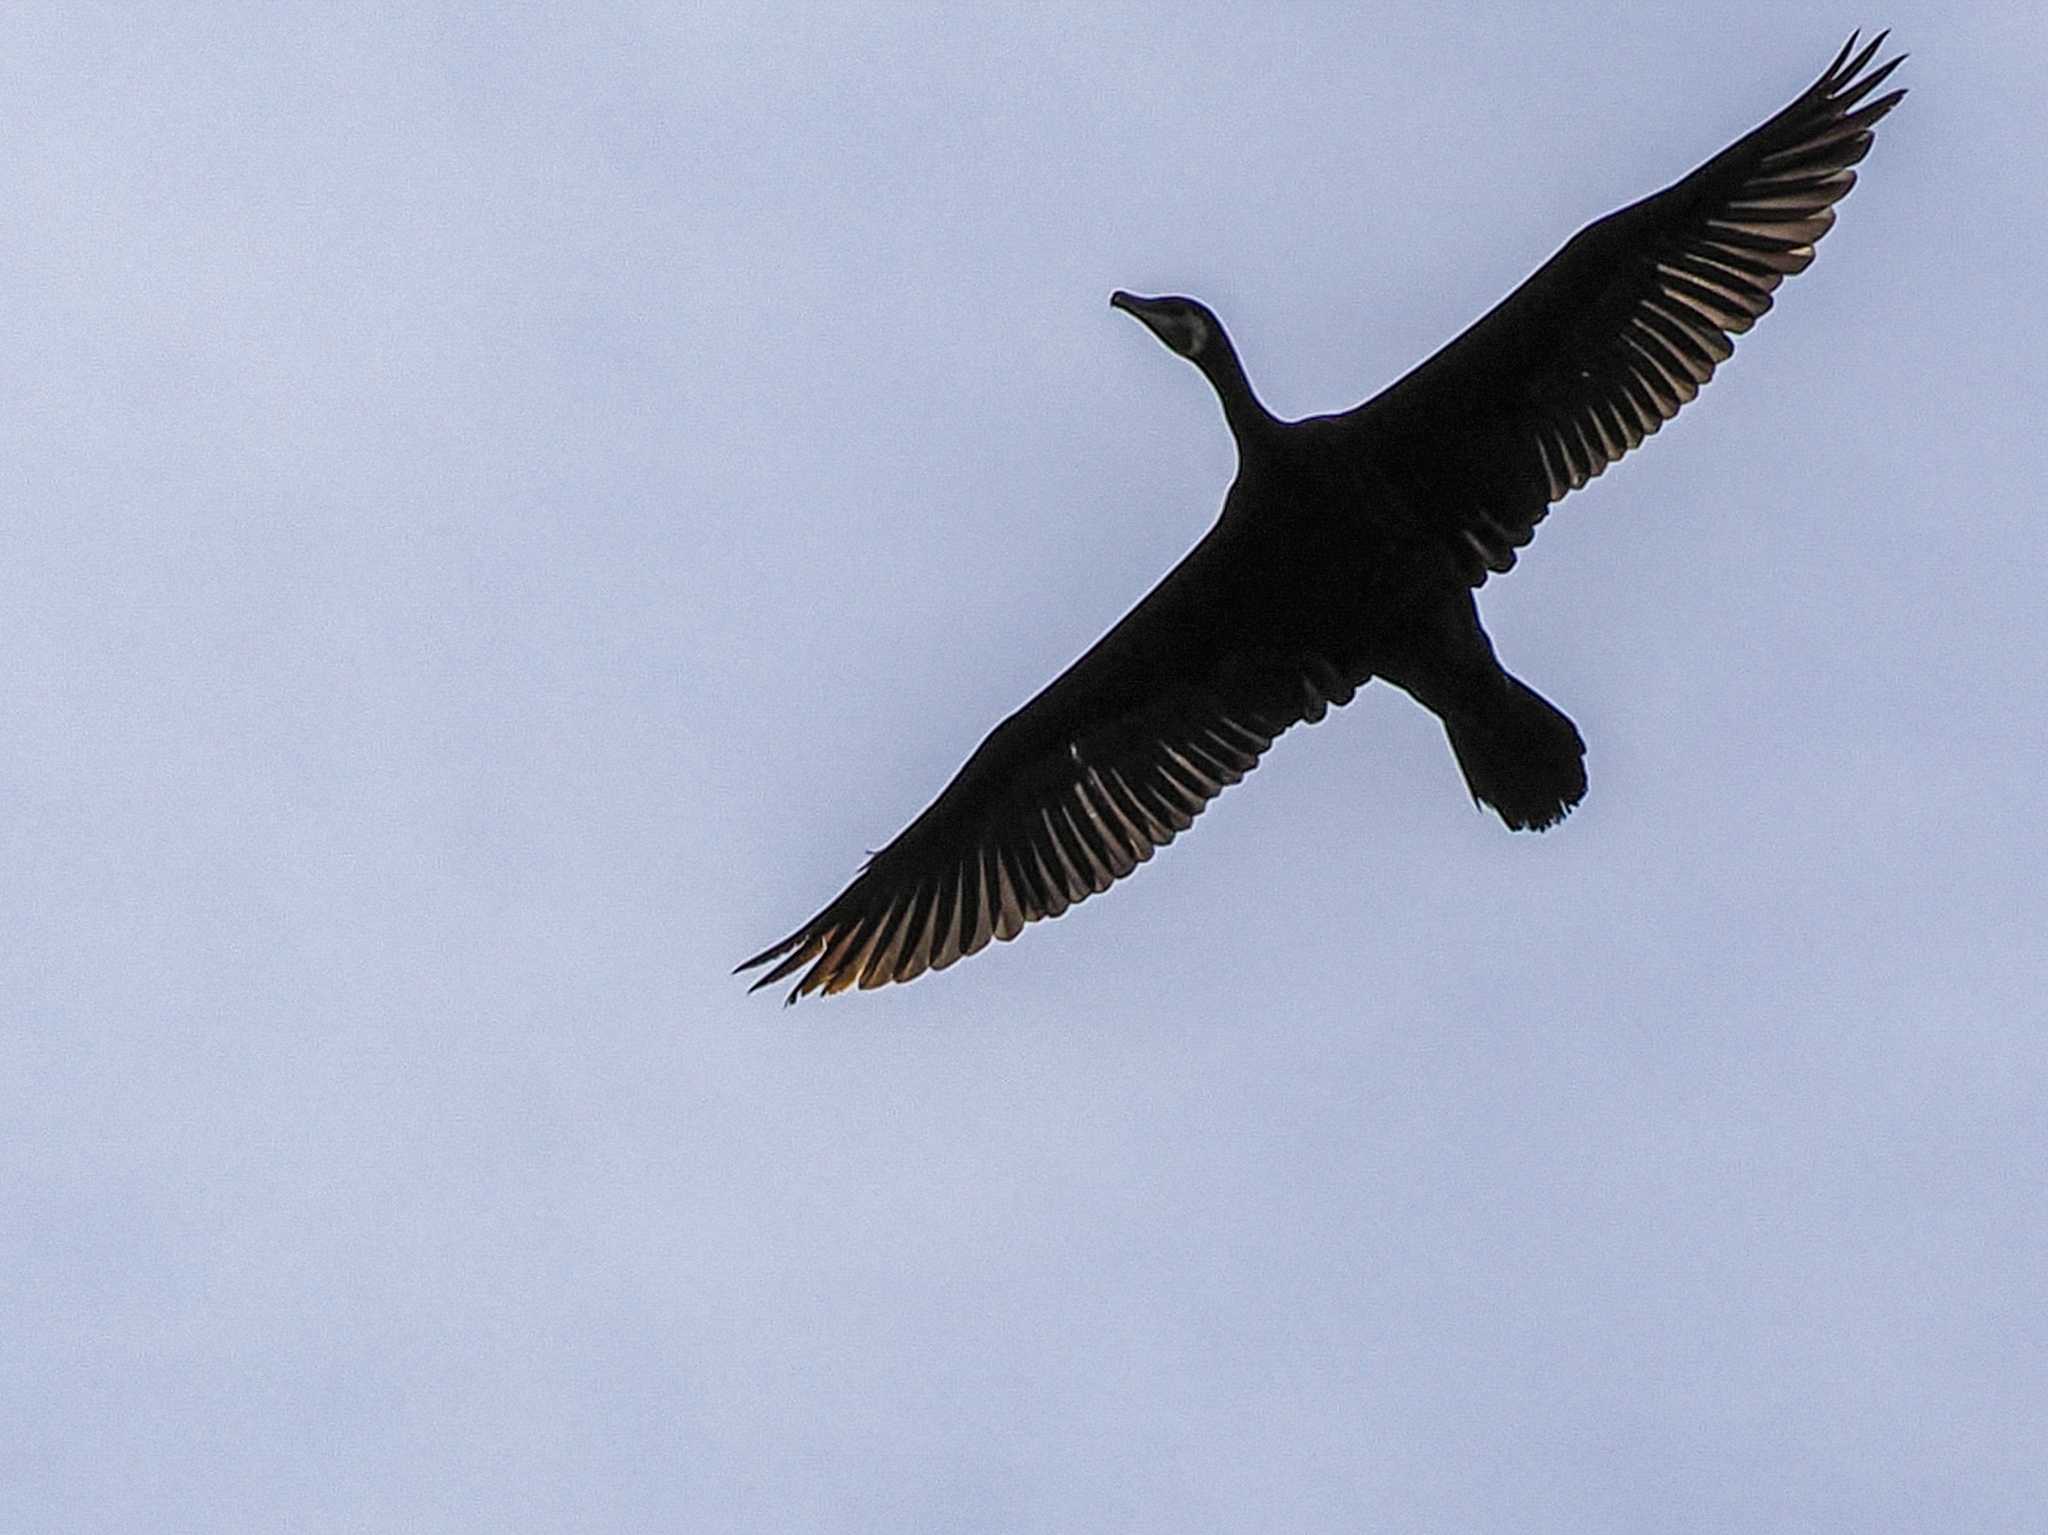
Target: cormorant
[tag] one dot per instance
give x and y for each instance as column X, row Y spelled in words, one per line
column 1349, row 548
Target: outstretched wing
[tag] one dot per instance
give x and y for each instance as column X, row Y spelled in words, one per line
column 1619, row 329
column 1114, row 759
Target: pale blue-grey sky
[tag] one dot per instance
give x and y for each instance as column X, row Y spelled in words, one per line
column 504, row 505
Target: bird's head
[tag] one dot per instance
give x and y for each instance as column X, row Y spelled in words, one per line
column 1183, row 324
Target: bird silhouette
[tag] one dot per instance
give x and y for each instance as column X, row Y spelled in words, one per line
column 1349, row 547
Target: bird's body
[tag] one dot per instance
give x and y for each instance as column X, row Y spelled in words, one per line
column 1348, row 548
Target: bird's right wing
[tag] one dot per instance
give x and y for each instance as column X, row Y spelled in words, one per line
column 1617, row 331
column 1115, row 758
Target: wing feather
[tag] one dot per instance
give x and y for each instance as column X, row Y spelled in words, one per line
column 1611, row 336
column 1111, row 762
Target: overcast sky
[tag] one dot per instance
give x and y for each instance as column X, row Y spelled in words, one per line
column 502, row 508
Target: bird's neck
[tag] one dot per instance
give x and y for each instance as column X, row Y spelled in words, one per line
column 1249, row 420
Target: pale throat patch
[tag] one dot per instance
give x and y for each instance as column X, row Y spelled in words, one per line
column 1197, row 332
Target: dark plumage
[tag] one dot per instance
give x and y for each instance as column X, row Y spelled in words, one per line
column 1348, row 548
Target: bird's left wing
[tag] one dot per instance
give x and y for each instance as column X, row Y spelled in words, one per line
column 1618, row 330
column 1115, row 758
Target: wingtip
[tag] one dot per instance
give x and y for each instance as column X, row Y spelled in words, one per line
column 797, row 950
column 1854, row 58
column 1843, row 57
column 779, row 973
column 764, row 956
column 1868, row 52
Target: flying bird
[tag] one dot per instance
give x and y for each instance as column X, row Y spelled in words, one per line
column 1349, row 547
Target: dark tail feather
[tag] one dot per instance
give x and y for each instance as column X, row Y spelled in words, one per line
column 1521, row 756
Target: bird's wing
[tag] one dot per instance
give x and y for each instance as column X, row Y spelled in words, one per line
column 1617, row 330
column 1116, row 757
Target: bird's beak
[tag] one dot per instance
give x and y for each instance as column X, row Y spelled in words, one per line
column 1146, row 309
column 1175, row 321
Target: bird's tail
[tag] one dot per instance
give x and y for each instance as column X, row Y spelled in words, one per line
column 1520, row 755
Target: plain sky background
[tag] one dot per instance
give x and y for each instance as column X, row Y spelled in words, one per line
column 503, row 506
